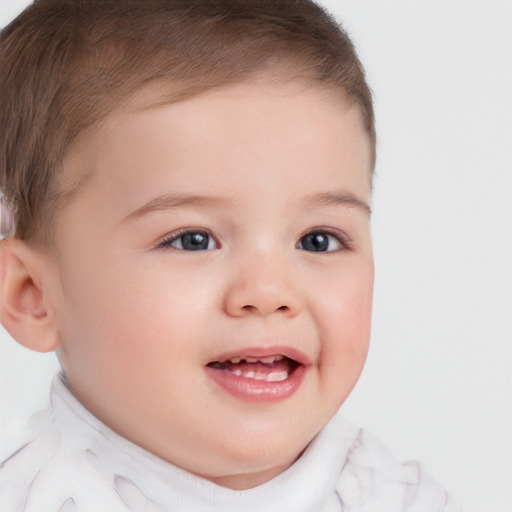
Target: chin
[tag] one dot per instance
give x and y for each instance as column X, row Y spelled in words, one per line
column 262, row 451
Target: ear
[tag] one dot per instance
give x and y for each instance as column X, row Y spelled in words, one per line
column 26, row 308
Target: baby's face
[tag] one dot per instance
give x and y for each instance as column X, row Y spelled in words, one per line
column 216, row 275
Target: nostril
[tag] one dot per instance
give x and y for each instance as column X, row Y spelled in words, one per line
column 252, row 309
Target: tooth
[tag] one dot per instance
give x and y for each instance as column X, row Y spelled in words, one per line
column 260, row 376
column 268, row 359
column 251, row 359
column 237, row 372
column 249, row 375
column 277, row 376
column 235, row 360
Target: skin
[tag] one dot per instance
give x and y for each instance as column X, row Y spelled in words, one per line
column 135, row 318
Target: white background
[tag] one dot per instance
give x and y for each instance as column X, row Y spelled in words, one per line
column 437, row 385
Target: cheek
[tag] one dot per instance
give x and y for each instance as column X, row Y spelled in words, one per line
column 346, row 311
column 146, row 314
column 128, row 334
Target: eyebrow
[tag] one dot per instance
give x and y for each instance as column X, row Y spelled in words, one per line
column 342, row 198
column 171, row 201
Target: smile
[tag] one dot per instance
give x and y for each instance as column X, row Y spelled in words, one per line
column 258, row 378
column 275, row 368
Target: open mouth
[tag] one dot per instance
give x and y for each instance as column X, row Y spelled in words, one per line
column 273, row 368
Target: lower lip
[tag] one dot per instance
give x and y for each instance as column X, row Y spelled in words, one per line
column 252, row 390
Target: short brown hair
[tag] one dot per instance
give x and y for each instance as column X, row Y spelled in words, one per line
column 66, row 64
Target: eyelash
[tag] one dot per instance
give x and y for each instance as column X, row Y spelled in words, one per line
column 166, row 243
column 344, row 242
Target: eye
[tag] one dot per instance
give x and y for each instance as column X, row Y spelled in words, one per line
column 192, row 240
column 320, row 241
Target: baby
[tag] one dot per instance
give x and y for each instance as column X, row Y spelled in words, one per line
column 191, row 185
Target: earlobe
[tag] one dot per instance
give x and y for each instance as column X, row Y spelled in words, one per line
column 26, row 309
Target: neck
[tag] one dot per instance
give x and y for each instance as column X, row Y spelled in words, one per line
column 244, row 481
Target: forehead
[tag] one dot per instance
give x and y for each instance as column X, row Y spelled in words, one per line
column 279, row 118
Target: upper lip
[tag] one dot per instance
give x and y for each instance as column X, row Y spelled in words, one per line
column 258, row 352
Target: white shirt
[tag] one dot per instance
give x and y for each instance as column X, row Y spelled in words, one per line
column 77, row 464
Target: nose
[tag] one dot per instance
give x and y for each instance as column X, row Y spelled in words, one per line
column 262, row 287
